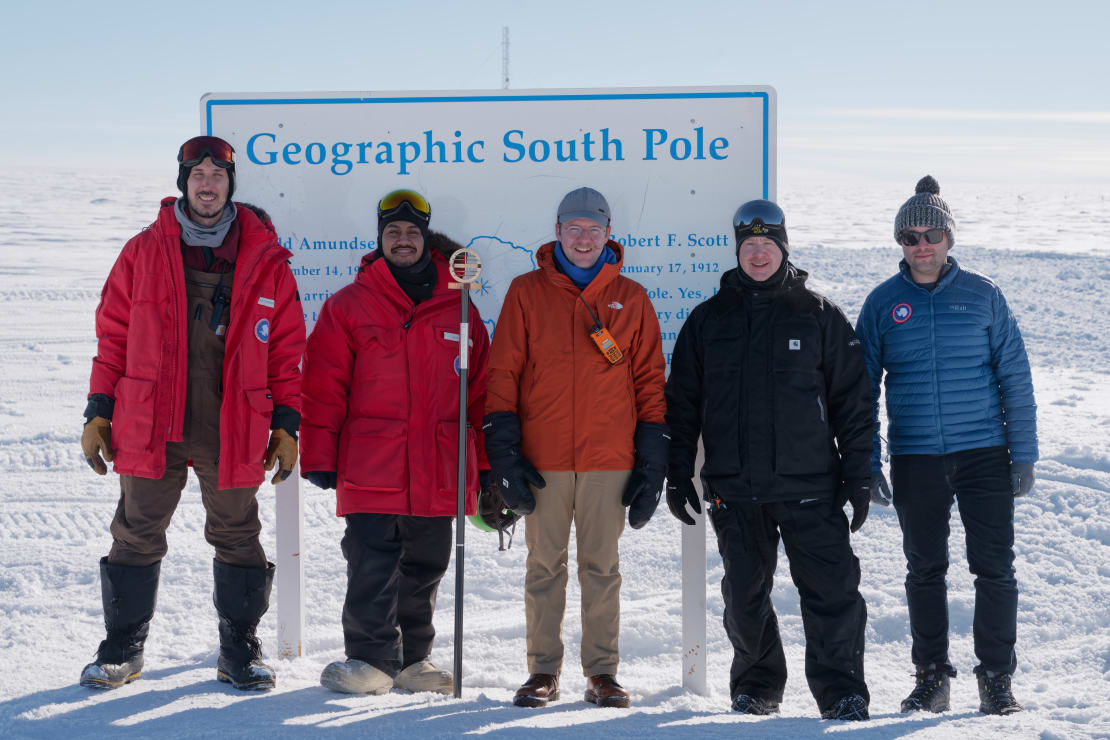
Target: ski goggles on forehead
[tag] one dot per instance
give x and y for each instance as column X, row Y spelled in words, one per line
column 193, row 151
column 393, row 202
column 758, row 212
column 912, row 238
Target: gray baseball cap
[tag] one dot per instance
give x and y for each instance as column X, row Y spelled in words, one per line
column 584, row 203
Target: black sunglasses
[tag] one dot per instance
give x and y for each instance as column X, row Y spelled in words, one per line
column 911, row 238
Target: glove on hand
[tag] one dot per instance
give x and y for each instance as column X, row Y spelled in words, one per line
column 323, row 478
column 97, row 438
column 1022, row 478
column 501, row 431
column 284, row 448
column 681, row 491
column 859, row 493
column 645, row 485
column 880, row 490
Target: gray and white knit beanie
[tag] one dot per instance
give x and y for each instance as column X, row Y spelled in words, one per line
column 926, row 208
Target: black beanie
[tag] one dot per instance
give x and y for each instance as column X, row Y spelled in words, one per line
column 404, row 212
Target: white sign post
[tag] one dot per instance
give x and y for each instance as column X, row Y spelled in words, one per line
column 674, row 164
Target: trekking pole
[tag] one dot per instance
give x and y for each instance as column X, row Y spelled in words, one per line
column 465, row 266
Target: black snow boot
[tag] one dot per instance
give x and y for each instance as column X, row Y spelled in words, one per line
column 129, row 593
column 242, row 596
column 932, row 690
column 995, row 696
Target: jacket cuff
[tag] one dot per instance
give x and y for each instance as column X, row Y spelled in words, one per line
column 99, row 405
column 287, row 419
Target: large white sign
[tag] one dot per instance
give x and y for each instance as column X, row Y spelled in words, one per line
column 674, row 164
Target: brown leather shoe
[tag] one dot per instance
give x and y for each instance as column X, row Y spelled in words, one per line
column 539, row 689
column 604, row 691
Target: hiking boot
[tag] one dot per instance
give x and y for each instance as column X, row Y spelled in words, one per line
column 424, row 676
column 748, row 704
column 604, row 691
column 931, row 692
column 851, row 708
column 537, row 691
column 353, row 676
column 995, row 696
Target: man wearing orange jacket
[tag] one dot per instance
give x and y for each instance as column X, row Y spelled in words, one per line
column 200, row 334
column 381, row 426
column 575, row 432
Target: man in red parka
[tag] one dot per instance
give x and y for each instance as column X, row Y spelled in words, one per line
column 200, row 335
column 381, row 426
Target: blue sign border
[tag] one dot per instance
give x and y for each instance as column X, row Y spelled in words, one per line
column 211, row 104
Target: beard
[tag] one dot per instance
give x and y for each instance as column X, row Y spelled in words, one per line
column 206, row 208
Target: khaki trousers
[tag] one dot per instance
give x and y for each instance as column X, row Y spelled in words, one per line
column 592, row 502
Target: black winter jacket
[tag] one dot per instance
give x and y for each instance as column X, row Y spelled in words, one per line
column 774, row 382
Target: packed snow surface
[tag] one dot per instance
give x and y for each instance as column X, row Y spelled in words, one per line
column 1049, row 250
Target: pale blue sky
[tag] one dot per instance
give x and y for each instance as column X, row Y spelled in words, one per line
column 986, row 91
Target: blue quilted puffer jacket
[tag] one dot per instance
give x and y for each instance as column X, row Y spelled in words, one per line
column 957, row 377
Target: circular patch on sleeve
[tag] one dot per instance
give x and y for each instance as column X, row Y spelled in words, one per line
column 901, row 313
column 262, row 330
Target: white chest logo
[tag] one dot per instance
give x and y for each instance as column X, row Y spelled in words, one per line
column 616, row 306
column 795, row 344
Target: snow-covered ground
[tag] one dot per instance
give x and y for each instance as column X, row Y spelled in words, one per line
column 1048, row 248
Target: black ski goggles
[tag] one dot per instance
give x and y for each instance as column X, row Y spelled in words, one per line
column 193, row 151
column 393, row 204
column 755, row 212
column 913, row 238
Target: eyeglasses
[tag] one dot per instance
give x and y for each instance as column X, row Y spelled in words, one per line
column 576, row 232
column 193, row 151
column 393, row 202
column 912, row 238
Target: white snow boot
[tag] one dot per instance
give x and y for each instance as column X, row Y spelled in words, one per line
column 424, row 676
column 353, row 676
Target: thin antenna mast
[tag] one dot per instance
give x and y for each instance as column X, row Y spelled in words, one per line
column 504, row 57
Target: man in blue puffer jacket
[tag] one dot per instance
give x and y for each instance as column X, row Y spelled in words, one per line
column 961, row 422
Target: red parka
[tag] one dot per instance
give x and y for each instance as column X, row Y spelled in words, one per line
column 381, row 396
column 142, row 349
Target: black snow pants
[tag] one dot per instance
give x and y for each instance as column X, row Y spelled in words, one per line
column 394, row 566
column 826, row 573
column 924, row 488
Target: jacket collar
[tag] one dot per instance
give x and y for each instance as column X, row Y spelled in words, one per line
column 545, row 258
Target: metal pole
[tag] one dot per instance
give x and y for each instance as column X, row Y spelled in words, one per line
column 460, row 518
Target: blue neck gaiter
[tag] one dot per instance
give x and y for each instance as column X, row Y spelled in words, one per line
column 582, row 277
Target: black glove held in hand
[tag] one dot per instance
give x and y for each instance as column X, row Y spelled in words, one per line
column 511, row 469
column 680, row 492
column 880, row 490
column 859, row 493
column 645, row 485
column 322, row 478
column 1021, row 478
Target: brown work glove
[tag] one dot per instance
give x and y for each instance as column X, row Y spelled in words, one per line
column 97, row 439
column 284, row 448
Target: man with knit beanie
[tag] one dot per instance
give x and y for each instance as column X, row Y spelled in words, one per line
column 200, row 334
column 381, row 426
column 770, row 376
column 574, row 431
column 962, row 423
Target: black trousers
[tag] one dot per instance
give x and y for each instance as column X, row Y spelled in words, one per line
column 394, row 566
column 924, row 488
column 826, row 573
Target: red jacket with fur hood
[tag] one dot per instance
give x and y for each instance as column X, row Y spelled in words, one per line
column 142, row 349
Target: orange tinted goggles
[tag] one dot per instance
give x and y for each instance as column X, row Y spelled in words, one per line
column 193, row 151
column 398, row 199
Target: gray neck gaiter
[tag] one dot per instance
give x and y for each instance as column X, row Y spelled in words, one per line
column 196, row 235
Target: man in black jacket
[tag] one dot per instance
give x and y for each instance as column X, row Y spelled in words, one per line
column 771, row 376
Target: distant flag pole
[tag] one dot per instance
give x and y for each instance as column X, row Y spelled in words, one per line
column 465, row 267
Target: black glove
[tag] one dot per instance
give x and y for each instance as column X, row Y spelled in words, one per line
column 502, row 435
column 1022, row 478
column 645, row 485
column 322, row 478
column 880, row 490
column 858, row 491
column 681, row 491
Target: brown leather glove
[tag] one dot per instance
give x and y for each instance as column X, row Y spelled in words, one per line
column 284, row 448
column 97, row 439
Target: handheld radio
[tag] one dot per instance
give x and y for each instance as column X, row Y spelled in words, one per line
column 602, row 338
